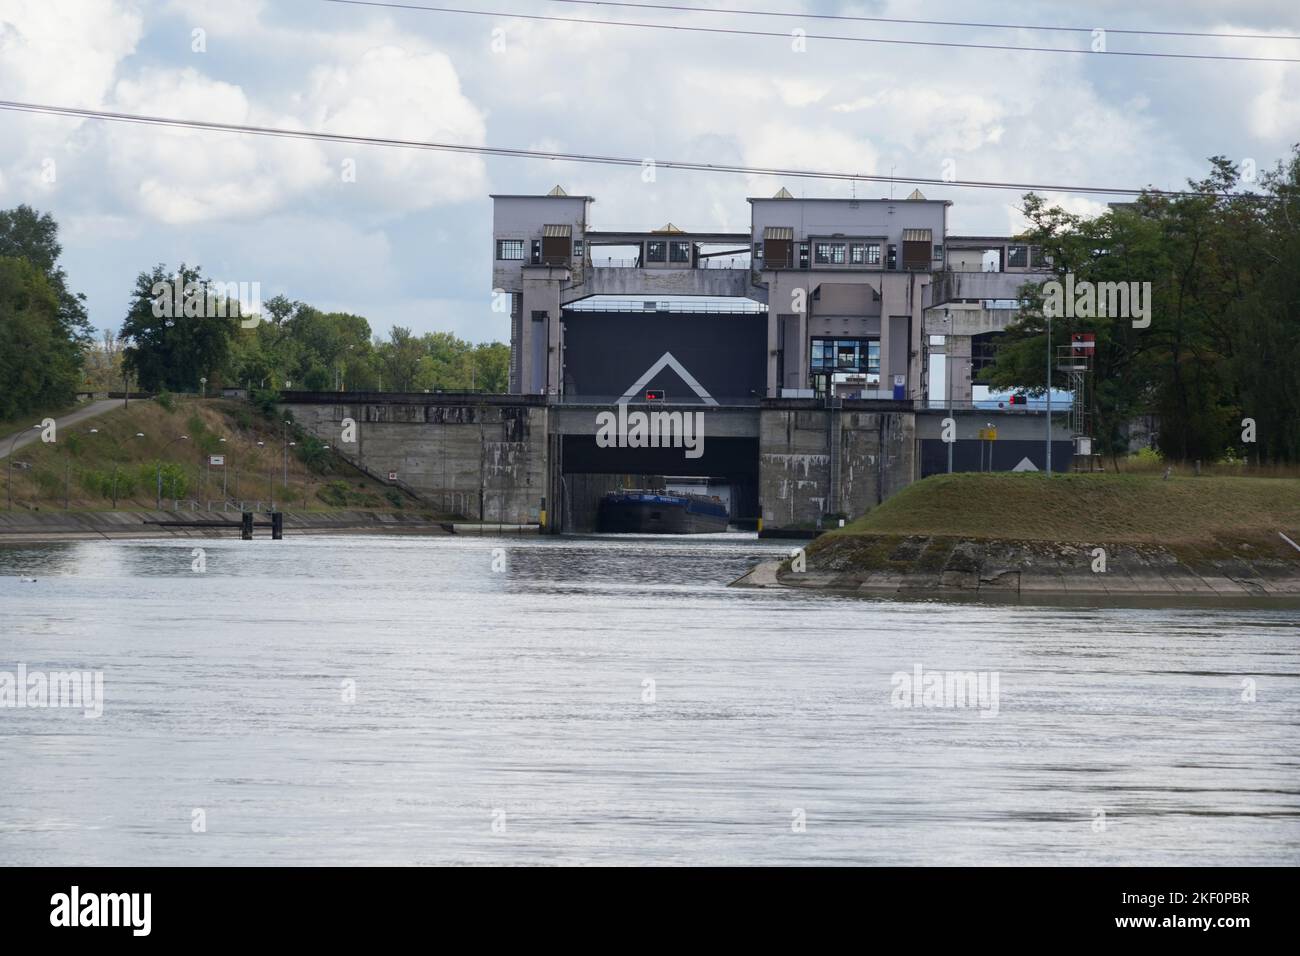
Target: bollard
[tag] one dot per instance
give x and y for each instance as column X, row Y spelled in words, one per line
column 277, row 525
column 246, row 526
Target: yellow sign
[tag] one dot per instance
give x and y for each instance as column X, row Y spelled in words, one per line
column 988, row 434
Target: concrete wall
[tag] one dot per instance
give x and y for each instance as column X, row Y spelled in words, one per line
column 806, row 470
column 477, row 458
column 648, row 283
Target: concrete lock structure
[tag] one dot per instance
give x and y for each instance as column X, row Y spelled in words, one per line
column 802, row 347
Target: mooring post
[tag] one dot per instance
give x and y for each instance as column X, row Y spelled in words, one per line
column 246, row 527
column 277, row 525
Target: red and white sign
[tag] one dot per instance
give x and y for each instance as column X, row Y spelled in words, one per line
column 392, row 476
column 1082, row 341
column 215, row 460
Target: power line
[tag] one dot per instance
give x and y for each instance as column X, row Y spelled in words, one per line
column 588, row 158
column 932, row 23
column 809, row 36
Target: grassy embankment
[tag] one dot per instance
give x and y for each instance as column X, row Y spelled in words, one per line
column 330, row 483
column 1199, row 517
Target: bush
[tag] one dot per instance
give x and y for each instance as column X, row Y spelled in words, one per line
column 175, row 482
column 394, row 498
column 51, row 484
column 166, row 401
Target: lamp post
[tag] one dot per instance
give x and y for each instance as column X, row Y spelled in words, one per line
column 1049, row 393
column 11, row 466
column 159, row 470
column 225, row 470
column 286, row 455
column 115, row 457
column 270, row 472
column 311, row 482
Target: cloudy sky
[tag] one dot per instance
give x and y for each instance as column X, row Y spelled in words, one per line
column 408, row 242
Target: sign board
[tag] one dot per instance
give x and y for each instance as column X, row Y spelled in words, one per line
column 216, row 459
column 988, row 434
column 392, row 476
column 1082, row 445
column 1083, row 341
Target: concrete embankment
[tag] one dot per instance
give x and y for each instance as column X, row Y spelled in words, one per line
column 1089, row 535
column 17, row 527
column 949, row 565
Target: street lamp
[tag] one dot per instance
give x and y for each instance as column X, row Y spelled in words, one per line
column 11, row 466
column 272, row 482
column 160, row 454
column 225, row 470
column 286, row 453
column 311, row 483
column 118, row 448
column 1049, row 392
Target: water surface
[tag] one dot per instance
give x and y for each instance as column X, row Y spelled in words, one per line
column 522, row 696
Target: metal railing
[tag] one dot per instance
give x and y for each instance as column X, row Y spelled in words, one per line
column 742, row 307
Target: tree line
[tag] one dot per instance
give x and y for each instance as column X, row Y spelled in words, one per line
column 173, row 342
column 1217, row 358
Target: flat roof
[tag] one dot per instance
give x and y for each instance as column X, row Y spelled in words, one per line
column 946, row 202
column 538, row 196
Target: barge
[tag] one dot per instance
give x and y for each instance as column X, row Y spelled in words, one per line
column 633, row 511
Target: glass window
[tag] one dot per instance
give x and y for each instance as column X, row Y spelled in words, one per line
column 829, row 254
column 1018, row 255
column 510, row 248
column 846, row 355
column 577, row 248
column 656, row 250
column 938, row 250
column 873, row 254
column 679, row 251
column 1037, row 257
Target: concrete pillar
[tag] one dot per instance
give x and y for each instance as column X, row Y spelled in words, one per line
column 957, row 361
column 893, row 301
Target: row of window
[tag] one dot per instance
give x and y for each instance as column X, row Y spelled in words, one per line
column 512, row 250
column 1026, row 256
column 826, row 253
column 846, row 355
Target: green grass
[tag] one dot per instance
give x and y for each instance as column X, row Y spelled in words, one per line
column 1087, row 507
column 88, row 459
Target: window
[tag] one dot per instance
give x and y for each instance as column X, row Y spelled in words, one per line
column 829, row 254
column 679, row 251
column 537, row 252
column 510, row 249
column 1037, row 258
column 938, row 251
column 540, row 316
column 578, row 249
column 656, row 250
column 864, row 254
column 858, row 356
column 803, row 255
column 893, row 257
column 1017, row 256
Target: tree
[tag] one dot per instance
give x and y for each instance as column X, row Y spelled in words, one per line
column 178, row 330
column 27, row 234
column 40, row 365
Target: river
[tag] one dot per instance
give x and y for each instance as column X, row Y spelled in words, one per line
column 459, row 700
